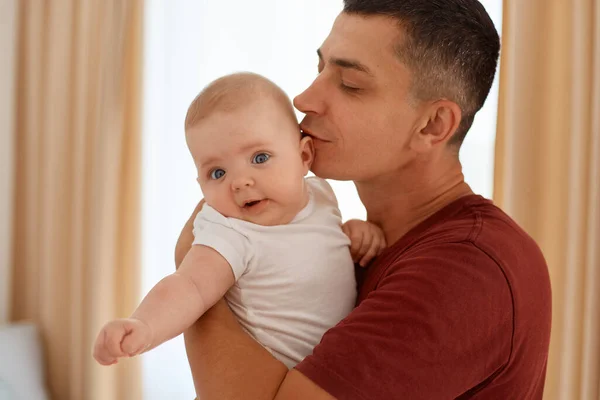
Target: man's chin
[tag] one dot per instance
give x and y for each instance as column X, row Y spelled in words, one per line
column 329, row 171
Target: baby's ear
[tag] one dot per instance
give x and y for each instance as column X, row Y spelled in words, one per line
column 307, row 152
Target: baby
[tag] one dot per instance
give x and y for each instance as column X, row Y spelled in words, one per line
column 267, row 238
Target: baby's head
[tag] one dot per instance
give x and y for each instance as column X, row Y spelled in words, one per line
column 248, row 149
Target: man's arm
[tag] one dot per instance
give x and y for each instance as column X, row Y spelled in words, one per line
column 411, row 331
column 245, row 370
column 186, row 237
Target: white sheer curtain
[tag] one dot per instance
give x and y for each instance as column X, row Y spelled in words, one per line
column 477, row 152
column 188, row 43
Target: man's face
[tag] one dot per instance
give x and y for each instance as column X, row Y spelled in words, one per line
column 358, row 109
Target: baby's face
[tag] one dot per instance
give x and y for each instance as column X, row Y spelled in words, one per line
column 251, row 163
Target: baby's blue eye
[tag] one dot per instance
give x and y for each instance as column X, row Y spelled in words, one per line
column 217, row 173
column 260, row 158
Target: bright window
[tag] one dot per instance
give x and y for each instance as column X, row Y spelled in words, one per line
column 188, row 43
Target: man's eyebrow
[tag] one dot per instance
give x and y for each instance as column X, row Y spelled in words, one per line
column 345, row 63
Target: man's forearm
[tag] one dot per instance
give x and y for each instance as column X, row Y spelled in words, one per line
column 227, row 363
column 186, row 237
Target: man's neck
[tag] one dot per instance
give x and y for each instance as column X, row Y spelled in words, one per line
column 398, row 203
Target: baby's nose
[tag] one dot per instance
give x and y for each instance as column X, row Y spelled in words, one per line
column 241, row 182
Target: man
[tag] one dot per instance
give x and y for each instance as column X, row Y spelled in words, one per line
column 459, row 304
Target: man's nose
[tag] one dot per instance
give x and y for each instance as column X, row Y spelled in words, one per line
column 241, row 182
column 311, row 100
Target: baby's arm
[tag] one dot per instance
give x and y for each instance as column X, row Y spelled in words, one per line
column 172, row 306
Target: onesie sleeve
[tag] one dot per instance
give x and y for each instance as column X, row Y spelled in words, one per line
column 213, row 230
column 322, row 187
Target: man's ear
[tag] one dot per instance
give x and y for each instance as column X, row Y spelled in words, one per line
column 307, row 153
column 440, row 122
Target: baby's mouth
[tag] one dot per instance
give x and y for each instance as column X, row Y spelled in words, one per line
column 249, row 204
column 254, row 207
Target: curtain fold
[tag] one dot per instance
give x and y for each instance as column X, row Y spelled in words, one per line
column 8, row 34
column 547, row 172
column 77, row 193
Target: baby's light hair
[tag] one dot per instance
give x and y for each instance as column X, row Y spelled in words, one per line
column 234, row 91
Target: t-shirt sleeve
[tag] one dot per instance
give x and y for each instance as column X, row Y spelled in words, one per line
column 213, row 230
column 437, row 324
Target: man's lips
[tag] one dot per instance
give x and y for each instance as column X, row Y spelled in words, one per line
column 310, row 133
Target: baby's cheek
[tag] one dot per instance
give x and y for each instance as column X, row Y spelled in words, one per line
column 295, row 193
column 220, row 202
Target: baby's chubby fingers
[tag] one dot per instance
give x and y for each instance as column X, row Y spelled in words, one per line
column 115, row 332
column 100, row 352
column 100, row 355
column 366, row 259
column 137, row 339
column 355, row 231
column 377, row 244
column 379, row 239
column 108, row 345
column 372, row 252
column 366, row 245
column 346, row 229
column 356, row 240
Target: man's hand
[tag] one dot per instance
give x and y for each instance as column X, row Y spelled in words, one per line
column 367, row 240
column 186, row 238
column 121, row 338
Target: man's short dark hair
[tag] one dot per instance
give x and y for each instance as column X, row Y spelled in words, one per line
column 451, row 47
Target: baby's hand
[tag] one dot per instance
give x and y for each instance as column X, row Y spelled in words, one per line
column 367, row 240
column 121, row 338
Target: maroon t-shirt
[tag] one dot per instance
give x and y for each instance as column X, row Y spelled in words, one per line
column 460, row 307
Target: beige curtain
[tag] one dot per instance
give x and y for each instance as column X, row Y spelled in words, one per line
column 8, row 32
column 548, row 170
column 76, row 219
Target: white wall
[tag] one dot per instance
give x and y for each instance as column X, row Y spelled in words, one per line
column 7, row 62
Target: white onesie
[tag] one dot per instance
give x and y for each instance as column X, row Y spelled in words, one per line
column 293, row 281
